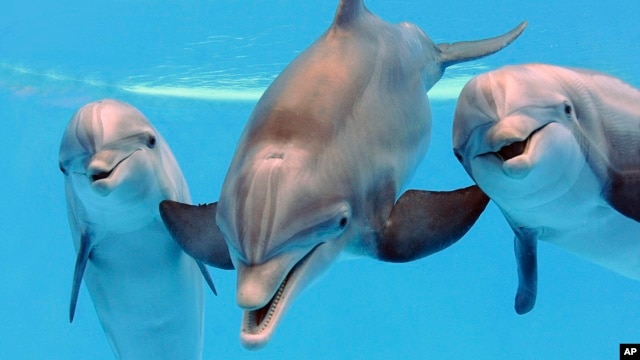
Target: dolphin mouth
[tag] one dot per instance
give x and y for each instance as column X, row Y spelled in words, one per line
column 105, row 174
column 512, row 150
column 101, row 175
column 258, row 325
column 257, row 321
column 516, row 148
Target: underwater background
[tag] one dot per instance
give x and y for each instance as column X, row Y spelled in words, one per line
column 196, row 68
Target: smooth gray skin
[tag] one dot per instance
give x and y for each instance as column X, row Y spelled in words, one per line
column 146, row 291
column 558, row 150
column 322, row 161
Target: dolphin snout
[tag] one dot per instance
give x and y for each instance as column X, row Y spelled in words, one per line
column 98, row 170
column 517, row 147
column 258, row 284
column 252, row 297
column 104, row 163
column 500, row 138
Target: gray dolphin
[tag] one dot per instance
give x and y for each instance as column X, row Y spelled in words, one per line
column 322, row 161
column 146, row 291
column 558, row 150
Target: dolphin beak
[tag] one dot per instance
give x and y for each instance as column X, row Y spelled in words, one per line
column 265, row 291
column 102, row 166
column 515, row 156
column 104, row 163
column 515, row 148
column 259, row 322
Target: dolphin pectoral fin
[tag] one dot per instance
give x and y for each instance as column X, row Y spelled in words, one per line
column 425, row 222
column 81, row 264
column 194, row 228
column 623, row 193
column 525, row 246
column 469, row 50
column 207, row 277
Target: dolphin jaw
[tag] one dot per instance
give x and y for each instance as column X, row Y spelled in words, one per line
column 259, row 324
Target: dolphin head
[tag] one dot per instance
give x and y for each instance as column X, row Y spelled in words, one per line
column 111, row 155
column 514, row 130
column 284, row 223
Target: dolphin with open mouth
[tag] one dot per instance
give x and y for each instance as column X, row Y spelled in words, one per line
column 558, row 150
column 322, row 161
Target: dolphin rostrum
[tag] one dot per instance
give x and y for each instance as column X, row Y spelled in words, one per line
column 322, row 161
column 146, row 291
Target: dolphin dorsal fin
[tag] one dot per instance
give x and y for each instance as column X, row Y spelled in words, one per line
column 451, row 54
column 348, row 11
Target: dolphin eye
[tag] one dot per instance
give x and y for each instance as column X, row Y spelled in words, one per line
column 343, row 222
column 567, row 109
column 151, row 142
column 64, row 171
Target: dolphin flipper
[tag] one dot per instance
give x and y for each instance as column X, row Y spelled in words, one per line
column 207, row 277
column 84, row 250
column 622, row 192
column 194, row 228
column 469, row 50
column 424, row 222
column 525, row 246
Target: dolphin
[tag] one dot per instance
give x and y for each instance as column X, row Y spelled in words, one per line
column 146, row 291
column 320, row 165
column 558, row 150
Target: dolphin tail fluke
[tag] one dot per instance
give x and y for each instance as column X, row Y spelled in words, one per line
column 470, row 50
column 81, row 264
column 425, row 222
column 194, row 228
column 207, row 277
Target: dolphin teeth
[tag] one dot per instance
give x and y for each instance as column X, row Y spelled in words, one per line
column 258, row 320
column 512, row 150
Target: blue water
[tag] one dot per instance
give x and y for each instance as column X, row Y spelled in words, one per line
column 195, row 69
